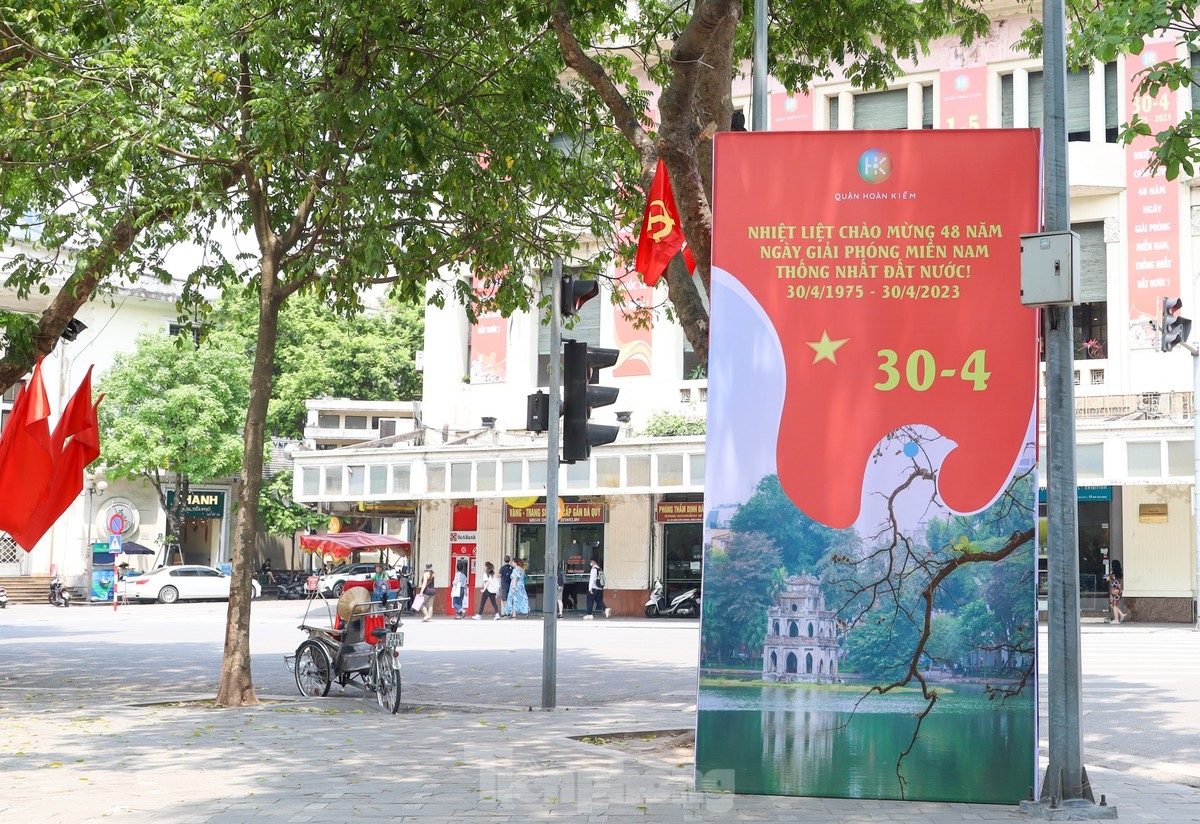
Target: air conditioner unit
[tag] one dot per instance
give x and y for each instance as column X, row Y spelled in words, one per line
column 387, row 427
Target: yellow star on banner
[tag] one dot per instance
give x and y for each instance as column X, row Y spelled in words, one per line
column 826, row 348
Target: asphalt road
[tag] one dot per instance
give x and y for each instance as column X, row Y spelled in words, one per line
column 1141, row 705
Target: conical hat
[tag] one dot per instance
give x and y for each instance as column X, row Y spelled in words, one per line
column 350, row 599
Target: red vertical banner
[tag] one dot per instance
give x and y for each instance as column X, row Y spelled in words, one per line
column 489, row 341
column 964, row 98
column 1151, row 201
column 870, row 485
column 791, row 112
column 631, row 331
column 463, row 548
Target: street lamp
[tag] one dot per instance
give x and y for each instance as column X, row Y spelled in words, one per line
column 91, row 487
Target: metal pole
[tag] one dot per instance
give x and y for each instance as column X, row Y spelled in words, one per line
column 1065, row 783
column 758, row 100
column 1196, row 470
column 550, row 585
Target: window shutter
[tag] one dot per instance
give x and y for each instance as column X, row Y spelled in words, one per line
column 881, row 110
column 1093, row 262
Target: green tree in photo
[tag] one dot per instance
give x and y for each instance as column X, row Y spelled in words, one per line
column 740, row 582
column 172, row 415
column 803, row 543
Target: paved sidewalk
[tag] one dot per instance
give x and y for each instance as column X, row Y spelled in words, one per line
column 339, row 759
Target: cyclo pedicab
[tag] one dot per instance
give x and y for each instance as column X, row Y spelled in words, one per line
column 362, row 646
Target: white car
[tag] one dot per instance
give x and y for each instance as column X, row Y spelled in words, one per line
column 335, row 581
column 181, row 583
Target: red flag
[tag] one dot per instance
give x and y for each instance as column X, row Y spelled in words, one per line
column 74, row 444
column 26, row 457
column 662, row 235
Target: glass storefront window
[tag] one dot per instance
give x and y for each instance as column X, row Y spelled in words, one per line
column 577, row 543
column 485, row 476
column 333, row 480
column 510, row 475
column 537, row 474
column 670, row 470
column 435, row 477
column 1180, row 458
column 637, row 470
column 1089, row 460
column 1145, row 459
column 683, row 552
column 608, row 472
column 579, row 475
column 310, row 480
column 378, row 479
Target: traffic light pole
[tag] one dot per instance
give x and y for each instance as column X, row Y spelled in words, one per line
column 1065, row 791
column 550, row 586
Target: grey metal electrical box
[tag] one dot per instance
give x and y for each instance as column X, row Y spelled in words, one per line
column 1050, row 269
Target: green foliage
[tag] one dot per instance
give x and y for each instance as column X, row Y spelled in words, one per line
column 673, row 424
column 279, row 514
column 173, row 408
column 320, row 353
column 1104, row 30
column 803, row 543
column 740, row 582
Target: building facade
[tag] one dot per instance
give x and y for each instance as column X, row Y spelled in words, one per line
column 112, row 325
column 1134, row 403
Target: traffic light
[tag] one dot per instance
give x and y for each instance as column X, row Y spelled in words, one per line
column 581, row 368
column 537, row 412
column 576, row 292
column 1174, row 329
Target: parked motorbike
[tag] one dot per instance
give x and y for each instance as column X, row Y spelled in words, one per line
column 294, row 588
column 60, row 596
column 684, row 605
column 3, row 598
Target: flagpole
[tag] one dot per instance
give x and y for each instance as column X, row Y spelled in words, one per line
column 758, row 102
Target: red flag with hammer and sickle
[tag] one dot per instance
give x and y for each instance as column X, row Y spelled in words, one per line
column 662, row 235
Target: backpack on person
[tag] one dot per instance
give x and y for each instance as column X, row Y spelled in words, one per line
column 601, row 579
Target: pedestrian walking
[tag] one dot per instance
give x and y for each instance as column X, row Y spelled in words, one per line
column 458, row 589
column 518, row 598
column 1116, row 588
column 562, row 582
column 489, row 588
column 506, row 570
column 595, row 598
column 427, row 591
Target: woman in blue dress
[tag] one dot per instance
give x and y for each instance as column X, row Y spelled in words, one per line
column 518, row 598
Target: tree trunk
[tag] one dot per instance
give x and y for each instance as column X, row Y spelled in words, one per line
column 237, row 685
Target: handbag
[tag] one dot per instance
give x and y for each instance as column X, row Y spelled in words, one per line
column 429, row 591
column 418, row 602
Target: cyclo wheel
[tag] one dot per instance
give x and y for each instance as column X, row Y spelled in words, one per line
column 313, row 670
column 387, row 681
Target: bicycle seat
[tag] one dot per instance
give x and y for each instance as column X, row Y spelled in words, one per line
column 379, row 632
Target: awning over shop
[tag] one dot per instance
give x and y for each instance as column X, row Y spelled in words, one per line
column 341, row 544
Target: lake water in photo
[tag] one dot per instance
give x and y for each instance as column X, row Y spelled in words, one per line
column 813, row 741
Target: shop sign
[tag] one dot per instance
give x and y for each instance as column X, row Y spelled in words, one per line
column 569, row 513
column 679, row 512
column 200, row 504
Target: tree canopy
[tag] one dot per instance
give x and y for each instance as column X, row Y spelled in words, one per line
column 172, row 415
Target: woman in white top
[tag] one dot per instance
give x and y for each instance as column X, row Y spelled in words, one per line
column 488, row 590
